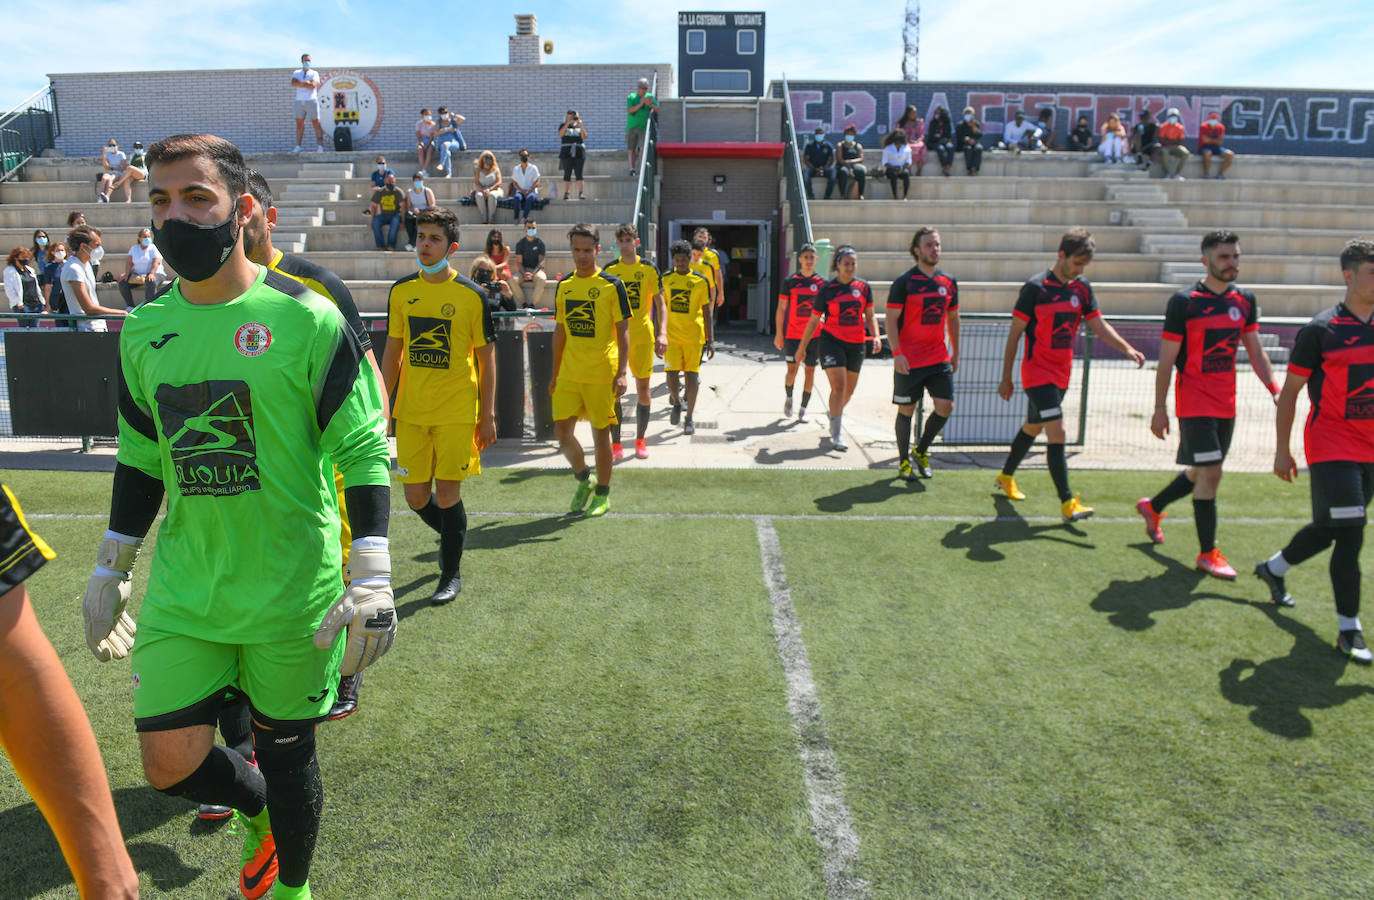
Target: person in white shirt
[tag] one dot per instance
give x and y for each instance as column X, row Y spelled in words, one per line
column 143, row 266
column 524, row 186
column 307, row 83
column 114, row 162
column 21, row 285
column 1020, row 135
column 897, row 163
column 78, row 280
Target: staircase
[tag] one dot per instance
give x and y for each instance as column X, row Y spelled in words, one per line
column 298, row 206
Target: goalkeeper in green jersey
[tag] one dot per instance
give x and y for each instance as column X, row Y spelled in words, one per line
column 237, row 384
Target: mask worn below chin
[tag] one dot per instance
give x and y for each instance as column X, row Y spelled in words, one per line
column 437, row 267
column 197, row 252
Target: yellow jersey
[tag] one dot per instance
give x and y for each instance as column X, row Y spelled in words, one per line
column 712, row 259
column 439, row 325
column 703, row 268
column 641, row 285
column 588, row 309
column 687, row 295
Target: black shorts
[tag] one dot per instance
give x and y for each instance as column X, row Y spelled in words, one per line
column 836, row 353
column 1204, row 440
column 1340, row 492
column 1044, row 403
column 813, row 350
column 937, row 379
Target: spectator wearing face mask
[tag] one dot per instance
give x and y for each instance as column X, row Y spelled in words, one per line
column 1113, row 145
column 142, row 268
column 819, row 157
column 1019, row 134
column 851, row 169
column 498, row 292
column 78, row 279
column 915, row 129
column 524, row 186
column 1081, row 138
column 449, row 138
column 425, row 128
column 1045, row 122
column 387, row 209
column 1145, row 139
column 21, row 284
column 380, row 173
column 496, row 250
column 1173, row 154
column 39, row 250
column 419, row 197
column 486, row 185
column 136, row 170
column 897, row 163
column 50, row 279
column 527, row 263
column 307, row 83
column 968, row 137
column 114, row 161
column 940, row 135
column 1211, row 141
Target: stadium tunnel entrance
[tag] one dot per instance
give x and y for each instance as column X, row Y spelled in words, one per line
column 745, row 257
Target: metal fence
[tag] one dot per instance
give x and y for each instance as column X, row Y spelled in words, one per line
column 27, row 130
column 800, row 214
column 646, row 199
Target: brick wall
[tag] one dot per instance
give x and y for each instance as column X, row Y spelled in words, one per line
column 253, row 107
column 720, row 120
column 750, row 191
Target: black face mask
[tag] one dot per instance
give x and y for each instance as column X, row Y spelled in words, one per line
column 196, row 252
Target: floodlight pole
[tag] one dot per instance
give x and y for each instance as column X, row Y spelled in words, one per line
column 911, row 42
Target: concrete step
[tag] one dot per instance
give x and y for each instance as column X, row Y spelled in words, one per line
column 298, row 193
column 1154, row 217
column 1136, row 193
column 338, row 171
column 300, row 216
column 1181, row 272
column 1169, row 244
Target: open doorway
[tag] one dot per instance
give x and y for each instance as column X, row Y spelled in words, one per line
column 743, row 247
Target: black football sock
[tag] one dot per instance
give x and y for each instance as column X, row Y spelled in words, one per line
column 295, row 800
column 641, row 419
column 1020, row 446
column 1205, row 517
column 934, row 422
column 1177, row 489
column 806, row 399
column 1310, row 540
column 584, row 474
column 603, row 489
column 236, row 727
column 1059, row 470
column 619, row 417
column 1345, row 570
column 452, row 537
column 903, row 428
column 224, row 778
column 429, row 514
column 788, row 389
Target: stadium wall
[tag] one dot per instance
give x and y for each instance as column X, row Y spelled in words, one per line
column 1258, row 120
column 253, row 107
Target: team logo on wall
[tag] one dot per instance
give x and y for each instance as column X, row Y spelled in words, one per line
column 351, row 99
column 252, row 339
column 209, row 430
column 429, row 342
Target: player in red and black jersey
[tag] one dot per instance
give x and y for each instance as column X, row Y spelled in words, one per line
column 922, row 305
column 1048, row 312
column 1203, row 327
column 794, row 312
column 846, row 304
column 1334, row 356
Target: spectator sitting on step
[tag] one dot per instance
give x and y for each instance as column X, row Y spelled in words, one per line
column 387, row 209
column 498, row 292
column 1045, row 122
column 897, row 163
column 940, row 135
column 113, row 162
column 969, row 138
column 1113, row 144
column 819, row 158
column 1081, row 138
column 528, row 267
column 915, row 128
column 496, row 250
column 1172, row 152
column 524, row 185
column 486, row 185
column 418, row 198
column 449, row 138
column 21, row 284
column 1020, row 135
column 424, row 140
column 1211, row 141
column 382, row 170
column 850, row 168
column 142, row 267
column 1145, row 139
column 136, row 170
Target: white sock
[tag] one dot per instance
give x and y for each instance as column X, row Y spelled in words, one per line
column 835, row 426
column 1278, row 565
column 1348, row 623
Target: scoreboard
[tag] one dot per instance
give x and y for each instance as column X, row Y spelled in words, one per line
column 720, row 54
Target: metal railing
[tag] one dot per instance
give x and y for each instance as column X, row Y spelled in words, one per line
column 27, row 130
column 799, row 217
column 645, row 196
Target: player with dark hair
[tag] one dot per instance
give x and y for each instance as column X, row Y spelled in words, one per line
column 711, row 257
column 439, row 337
column 591, row 349
column 1203, row 327
column 1334, row 356
column 690, row 331
column 648, row 332
column 237, row 385
column 1048, row 311
column 922, row 305
column 794, row 312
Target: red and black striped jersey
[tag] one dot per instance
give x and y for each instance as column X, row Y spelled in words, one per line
column 798, row 293
column 923, row 303
column 1208, row 328
column 843, row 306
column 1052, row 310
column 1335, row 353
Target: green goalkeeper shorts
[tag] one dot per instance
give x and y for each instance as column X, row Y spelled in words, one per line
column 286, row 680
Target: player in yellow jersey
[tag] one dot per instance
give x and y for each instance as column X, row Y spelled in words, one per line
column 701, row 265
column 591, row 348
column 690, row 330
column 438, row 324
column 712, row 258
column 648, row 334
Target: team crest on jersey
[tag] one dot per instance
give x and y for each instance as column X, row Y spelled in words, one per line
column 1073, row 301
column 447, row 309
column 1234, row 314
column 856, row 292
column 137, row 681
column 593, row 293
column 252, row 339
column 429, row 342
column 943, row 292
column 209, row 431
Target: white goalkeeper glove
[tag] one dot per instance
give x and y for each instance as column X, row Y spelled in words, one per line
column 109, row 630
column 366, row 608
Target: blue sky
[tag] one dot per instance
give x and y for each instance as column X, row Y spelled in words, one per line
column 1260, row 43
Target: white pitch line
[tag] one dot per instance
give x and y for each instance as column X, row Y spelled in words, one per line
column 832, row 824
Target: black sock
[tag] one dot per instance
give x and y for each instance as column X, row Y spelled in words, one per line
column 236, row 727
column 788, row 389
column 619, row 417
column 295, row 800
column 603, row 489
column 584, row 474
column 1205, row 517
column 641, row 419
column 429, row 514
column 1345, row 570
column 806, row 399
column 1310, row 540
column 452, row 537
column 1177, row 489
column 224, row 778
column 903, row 436
column 1020, row 445
column 934, row 422
column 1059, row 470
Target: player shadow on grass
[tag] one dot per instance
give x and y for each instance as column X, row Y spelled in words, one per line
column 880, row 491
column 1009, row 527
column 1133, row 604
column 32, row 862
column 766, row 457
column 1280, row 689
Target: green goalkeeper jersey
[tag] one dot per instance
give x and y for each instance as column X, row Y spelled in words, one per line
column 238, row 408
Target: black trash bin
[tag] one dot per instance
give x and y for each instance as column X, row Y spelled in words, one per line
column 539, row 345
column 510, row 385
column 343, row 138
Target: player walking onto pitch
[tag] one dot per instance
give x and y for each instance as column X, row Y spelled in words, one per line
column 711, row 257
column 922, row 305
column 1203, row 327
column 648, row 334
column 591, row 348
column 1048, row 312
column 794, row 312
column 845, row 303
column 690, row 331
column 437, row 323
column 237, row 384
column 1334, row 356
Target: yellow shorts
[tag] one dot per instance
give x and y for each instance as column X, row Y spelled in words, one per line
column 446, row 452
column 683, row 357
column 593, row 402
column 642, row 358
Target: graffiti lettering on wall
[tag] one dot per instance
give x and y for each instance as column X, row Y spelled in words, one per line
column 1284, row 122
